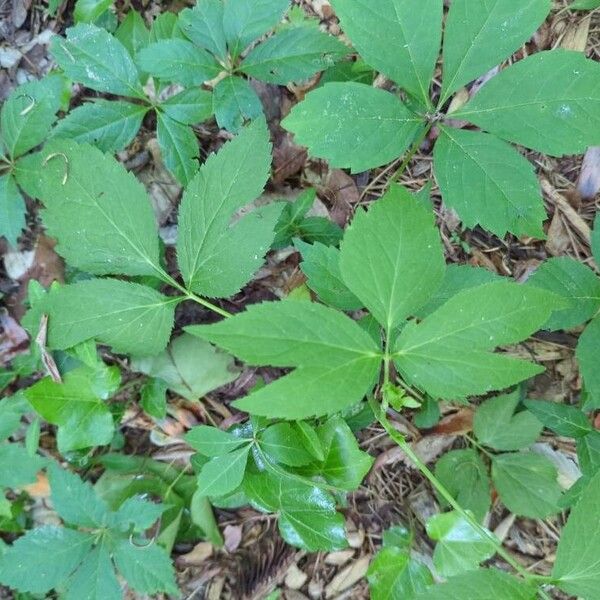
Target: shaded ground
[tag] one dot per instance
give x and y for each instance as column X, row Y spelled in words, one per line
column 255, row 560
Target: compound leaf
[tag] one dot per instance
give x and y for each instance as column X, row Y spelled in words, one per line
column 391, row 257
column 488, row 183
column 353, row 125
column 211, row 441
column 481, row 584
column 95, row 578
column 178, row 147
column 246, row 20
column 561, row 418
column 12, row 209
column 88, row 11
column 223, row 474
column 326, row 346
column 235, row 102
column 75, row 500
column 587, row 357
column 283, row 443
column 479, row 35
column 178, row 60
column 215, row 258
column 526, row 483
column 27, row 115
column 573, row 281
column 307, row 515
column 496, row 425
column 203, row 25
column 549, row 102
column 17, row 466
column 92, row 56
column 447, row 354
column 83, row 419
column 577, row 568
column 129, row 317
column 133, row 33
column 407, row 43
column 321, row 265
column 137, row 514
column 465, row 476
column 99, row 213
column 110, row 125
column 55, row 551
column 147, row 570
column 190, row 106
column 292, row 55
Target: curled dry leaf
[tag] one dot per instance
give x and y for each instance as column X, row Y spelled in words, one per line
column 588, row 184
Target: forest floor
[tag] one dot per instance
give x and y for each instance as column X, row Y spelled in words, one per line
column 254, row 560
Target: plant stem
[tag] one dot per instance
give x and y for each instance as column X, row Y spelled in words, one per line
column 477, row 445
column 405, row 446
column 410, row 154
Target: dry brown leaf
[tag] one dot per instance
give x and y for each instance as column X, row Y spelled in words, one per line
column 13, row 338
column 588, row 184
column 232, row 535
column 199, row 553
column 457, row 423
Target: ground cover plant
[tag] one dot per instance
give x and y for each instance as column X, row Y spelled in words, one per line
column 382, row 333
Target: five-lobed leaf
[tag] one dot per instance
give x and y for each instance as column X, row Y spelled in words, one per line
column 488, row 183
column 234, row 102
column 391, row 257
column 190, row 106
column 95, row 578
column 203, row 25
column 178, row 146
column 407, row 42
column 549, row 102
column 133, row 33
column 353, row 125
column 480, row 34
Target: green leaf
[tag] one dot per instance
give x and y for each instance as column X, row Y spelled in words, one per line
column 460, row 547
column 190, row 367
column 549, row 102
column 321, row 230
column 321, row 265
column 292, row 215
column 393, row 574
column 95, row 579
column 137, row 514
column 588, row 453
column 178, row 147
column 482, row 584
column 17, row 466
column 203, row 25
column 456, row 279
column 87, row 11
column 165, row 27
column 326, row 346
column 345, row 464
column 447, row 354
column 83, row 419
column 407, row 42
column 310, row 439
column 576, row 567
column 110, row 125
column 353, row 125
column 133, row 33
column 573, row 281
column 153, row 398
column 498, row 426
column 217, row 259
column 211, row 441
column 12, row 210
column 93, row 57
column 75, row 500
column 147, row 570
column 307, row 515
column 224, row 473
column 131, row 318
column 292, row 55
column 561, row 418
column 27, row 116
column 488, row 183
column 190, row 106
column 464, row 475
column 283, row 444
column 55, row 551
column 526, row 483
column 585, row 5
column 101, row 216
column 178, row 60
column 391, row 257
column 479, row 35
column 587, row 357
column 246, row 20
column 234, row 102
column 595, row 242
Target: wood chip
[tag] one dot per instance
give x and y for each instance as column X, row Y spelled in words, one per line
column 339, row 558
column 197, row 555
column 348, row 577
column 295, row 578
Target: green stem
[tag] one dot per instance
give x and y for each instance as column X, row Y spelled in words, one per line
column 477, row 445
column 410, row 154
column 445, row 494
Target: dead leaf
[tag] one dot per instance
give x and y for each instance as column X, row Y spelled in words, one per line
column 588, row 184
column 199, row 553
column 558, row 237
column 576, row 36
column 47, row 359
column 343, row 195
column 288, row 159
column 232, row 535
column 457, row 423
column 13, row 338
